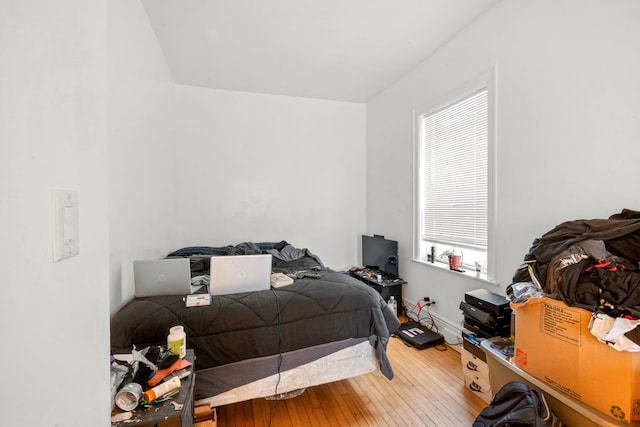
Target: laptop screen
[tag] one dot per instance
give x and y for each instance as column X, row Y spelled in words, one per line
column 232, row 274
column 170, row 276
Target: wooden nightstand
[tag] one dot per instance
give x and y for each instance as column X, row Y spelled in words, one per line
column 386, row 287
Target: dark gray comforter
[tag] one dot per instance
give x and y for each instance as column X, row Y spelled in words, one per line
column 250, row 325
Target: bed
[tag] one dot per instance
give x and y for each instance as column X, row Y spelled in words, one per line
column 272, row 343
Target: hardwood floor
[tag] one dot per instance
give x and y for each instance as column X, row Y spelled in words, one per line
column 427, row 390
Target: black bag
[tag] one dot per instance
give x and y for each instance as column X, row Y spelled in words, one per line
column 515, row 404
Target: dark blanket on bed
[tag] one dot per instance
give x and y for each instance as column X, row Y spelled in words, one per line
column 255, row 324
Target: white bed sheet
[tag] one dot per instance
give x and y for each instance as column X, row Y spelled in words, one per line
column 350, row 362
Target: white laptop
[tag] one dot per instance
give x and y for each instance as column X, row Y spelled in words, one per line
column 171, row 276
column 232, row 274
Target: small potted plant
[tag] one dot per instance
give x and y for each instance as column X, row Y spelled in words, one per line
column 455, row 258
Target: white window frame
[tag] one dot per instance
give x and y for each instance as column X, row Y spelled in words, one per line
column 420, row 251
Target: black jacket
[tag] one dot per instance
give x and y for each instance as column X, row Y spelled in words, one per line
column 613, row 285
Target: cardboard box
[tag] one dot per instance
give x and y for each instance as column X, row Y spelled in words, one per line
column 478, row 385
column 472, row 363
column 553, row 343
column 473, row 347
column 476, row 375
column 205, row 416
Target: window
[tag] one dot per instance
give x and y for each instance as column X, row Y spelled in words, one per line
column 453, row 147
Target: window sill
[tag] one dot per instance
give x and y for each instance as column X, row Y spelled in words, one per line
column 469, row 274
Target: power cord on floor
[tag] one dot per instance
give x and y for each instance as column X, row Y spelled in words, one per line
column 272, row 402
column 417, row 310
column 415, row 314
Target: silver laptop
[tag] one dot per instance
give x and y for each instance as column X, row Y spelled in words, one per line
column 232, row 274
column 171, row 276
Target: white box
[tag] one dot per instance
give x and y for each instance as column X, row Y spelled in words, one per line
column 195, row 300
column 471, row 362
column 479, row 386
column 476, row 375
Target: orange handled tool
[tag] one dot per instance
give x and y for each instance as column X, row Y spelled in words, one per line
column 162, row 373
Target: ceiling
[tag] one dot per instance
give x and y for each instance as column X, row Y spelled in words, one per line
column 345, row 50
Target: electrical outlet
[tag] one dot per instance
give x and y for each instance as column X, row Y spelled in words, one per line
column 426, row 299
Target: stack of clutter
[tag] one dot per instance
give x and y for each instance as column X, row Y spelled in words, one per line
column 486, row 315
column 150, row 376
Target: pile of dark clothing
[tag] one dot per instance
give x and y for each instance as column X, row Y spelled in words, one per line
column 592, row 264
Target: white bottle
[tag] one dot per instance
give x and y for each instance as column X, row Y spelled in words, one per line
column 393, row 304
column 177, row 341
column 160, row 390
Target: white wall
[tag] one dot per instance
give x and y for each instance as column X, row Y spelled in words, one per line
column 568, row 127
column 141, row 126
column 55, row 316
column 257, row 168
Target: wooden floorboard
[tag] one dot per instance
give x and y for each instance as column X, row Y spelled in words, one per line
column 427, row 390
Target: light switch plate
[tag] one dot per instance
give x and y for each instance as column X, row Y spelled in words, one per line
column 66, row 229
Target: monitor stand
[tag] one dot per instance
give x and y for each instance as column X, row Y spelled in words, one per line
column 419, row 336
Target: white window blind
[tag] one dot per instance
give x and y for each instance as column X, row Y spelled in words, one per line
column 455, row 173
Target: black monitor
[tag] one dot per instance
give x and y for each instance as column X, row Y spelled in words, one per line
column 380, row 254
